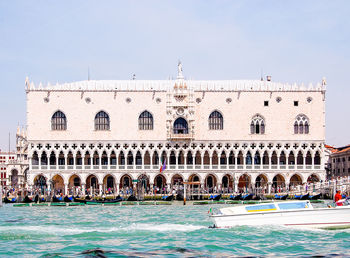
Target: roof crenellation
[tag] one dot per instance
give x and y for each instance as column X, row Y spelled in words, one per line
column 164, row 85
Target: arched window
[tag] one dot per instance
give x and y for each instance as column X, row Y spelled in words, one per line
column 216, row 121
column 146, row 121
column 257, row 126
column 59, row 121
column 180, row 126
column 101, row 121
column 301, row 124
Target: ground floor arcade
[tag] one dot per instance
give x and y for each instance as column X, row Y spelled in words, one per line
column 209, row 182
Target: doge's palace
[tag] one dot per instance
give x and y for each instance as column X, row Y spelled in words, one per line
column 232, row 135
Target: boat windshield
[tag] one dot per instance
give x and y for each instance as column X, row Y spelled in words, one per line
column 262, row 207
column 293, row 205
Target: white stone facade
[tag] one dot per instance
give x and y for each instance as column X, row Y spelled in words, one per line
column 255, row 142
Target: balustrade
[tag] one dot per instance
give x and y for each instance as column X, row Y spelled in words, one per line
column 210, row 166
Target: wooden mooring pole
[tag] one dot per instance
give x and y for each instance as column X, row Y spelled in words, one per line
column 0, row 195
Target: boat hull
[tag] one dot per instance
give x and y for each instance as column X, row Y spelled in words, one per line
column 328, row 218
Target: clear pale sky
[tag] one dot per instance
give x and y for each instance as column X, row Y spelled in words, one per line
column 293, row 41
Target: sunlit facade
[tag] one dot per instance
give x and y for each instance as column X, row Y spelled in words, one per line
column 228, row 135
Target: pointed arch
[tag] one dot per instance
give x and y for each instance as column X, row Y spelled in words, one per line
column 58, row 121
column 301, row 124
column 216, row 121
column 147, row 158
column 257, row 125
column 248, row 158
column 283, row 158
column 43, row 158
column 102, row 121
column 223, row 159
column 214, row 158
column 145, row 121
column 189, row 158
column 317, row 158
column 138, row 158
column 180, row 126
column 181, row 158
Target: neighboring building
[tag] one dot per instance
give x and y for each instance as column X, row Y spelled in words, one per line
column 339, row 162
column 5, row 159
column 14, row 165
column 225, row 134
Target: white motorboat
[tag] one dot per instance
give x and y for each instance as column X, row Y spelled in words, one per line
column 289, row 213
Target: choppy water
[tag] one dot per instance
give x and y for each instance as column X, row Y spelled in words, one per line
column 151, row 230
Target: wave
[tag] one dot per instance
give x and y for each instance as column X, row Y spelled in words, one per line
column 50, row 229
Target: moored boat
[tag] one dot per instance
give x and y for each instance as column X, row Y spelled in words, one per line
column 68, row 199
column 281, row 197
column 168, row 198
column 215, row 197
column 289, row 213
column 236, row 197
column 57, row 199
column 315, row 197
column 117, row 199
column 12, row 200
column 27, row 199
column 247, row 197
column 132, row 198
column 302, row 197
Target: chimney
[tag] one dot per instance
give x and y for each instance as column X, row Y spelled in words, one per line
column 268, row 78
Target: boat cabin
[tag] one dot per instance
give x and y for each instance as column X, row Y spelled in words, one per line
column 267, row 207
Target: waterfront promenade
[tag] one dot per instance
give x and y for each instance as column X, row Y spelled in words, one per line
column 326, row 189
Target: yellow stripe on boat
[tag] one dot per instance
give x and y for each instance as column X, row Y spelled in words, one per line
column 262, row 210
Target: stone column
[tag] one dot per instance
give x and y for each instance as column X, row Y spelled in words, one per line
column 118, row 188
column 99, row 161
column 185, row 160
column 65, row 189
column 244, row 161
column 236, row 158
column 269, row 184
column 74, row 161
column 177, row 160
column 83, row 162
column 270, row 161
column 278, row 161
column 30, row 163
column 65, row 161
column 100, row 188
column 57, row 157
column 151, row 187
column 304, row 162
column 236, row 186
column 168, row 160
column 211, row 161
column 143, row 161
column 202, row 161
column 134, row 188
column 313, row 161
column 83, row 188
column 39, row 160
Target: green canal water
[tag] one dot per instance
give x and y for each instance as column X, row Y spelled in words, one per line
column 179, row 231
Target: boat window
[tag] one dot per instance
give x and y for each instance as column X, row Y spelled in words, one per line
column 293, row 205
column 263, row 207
